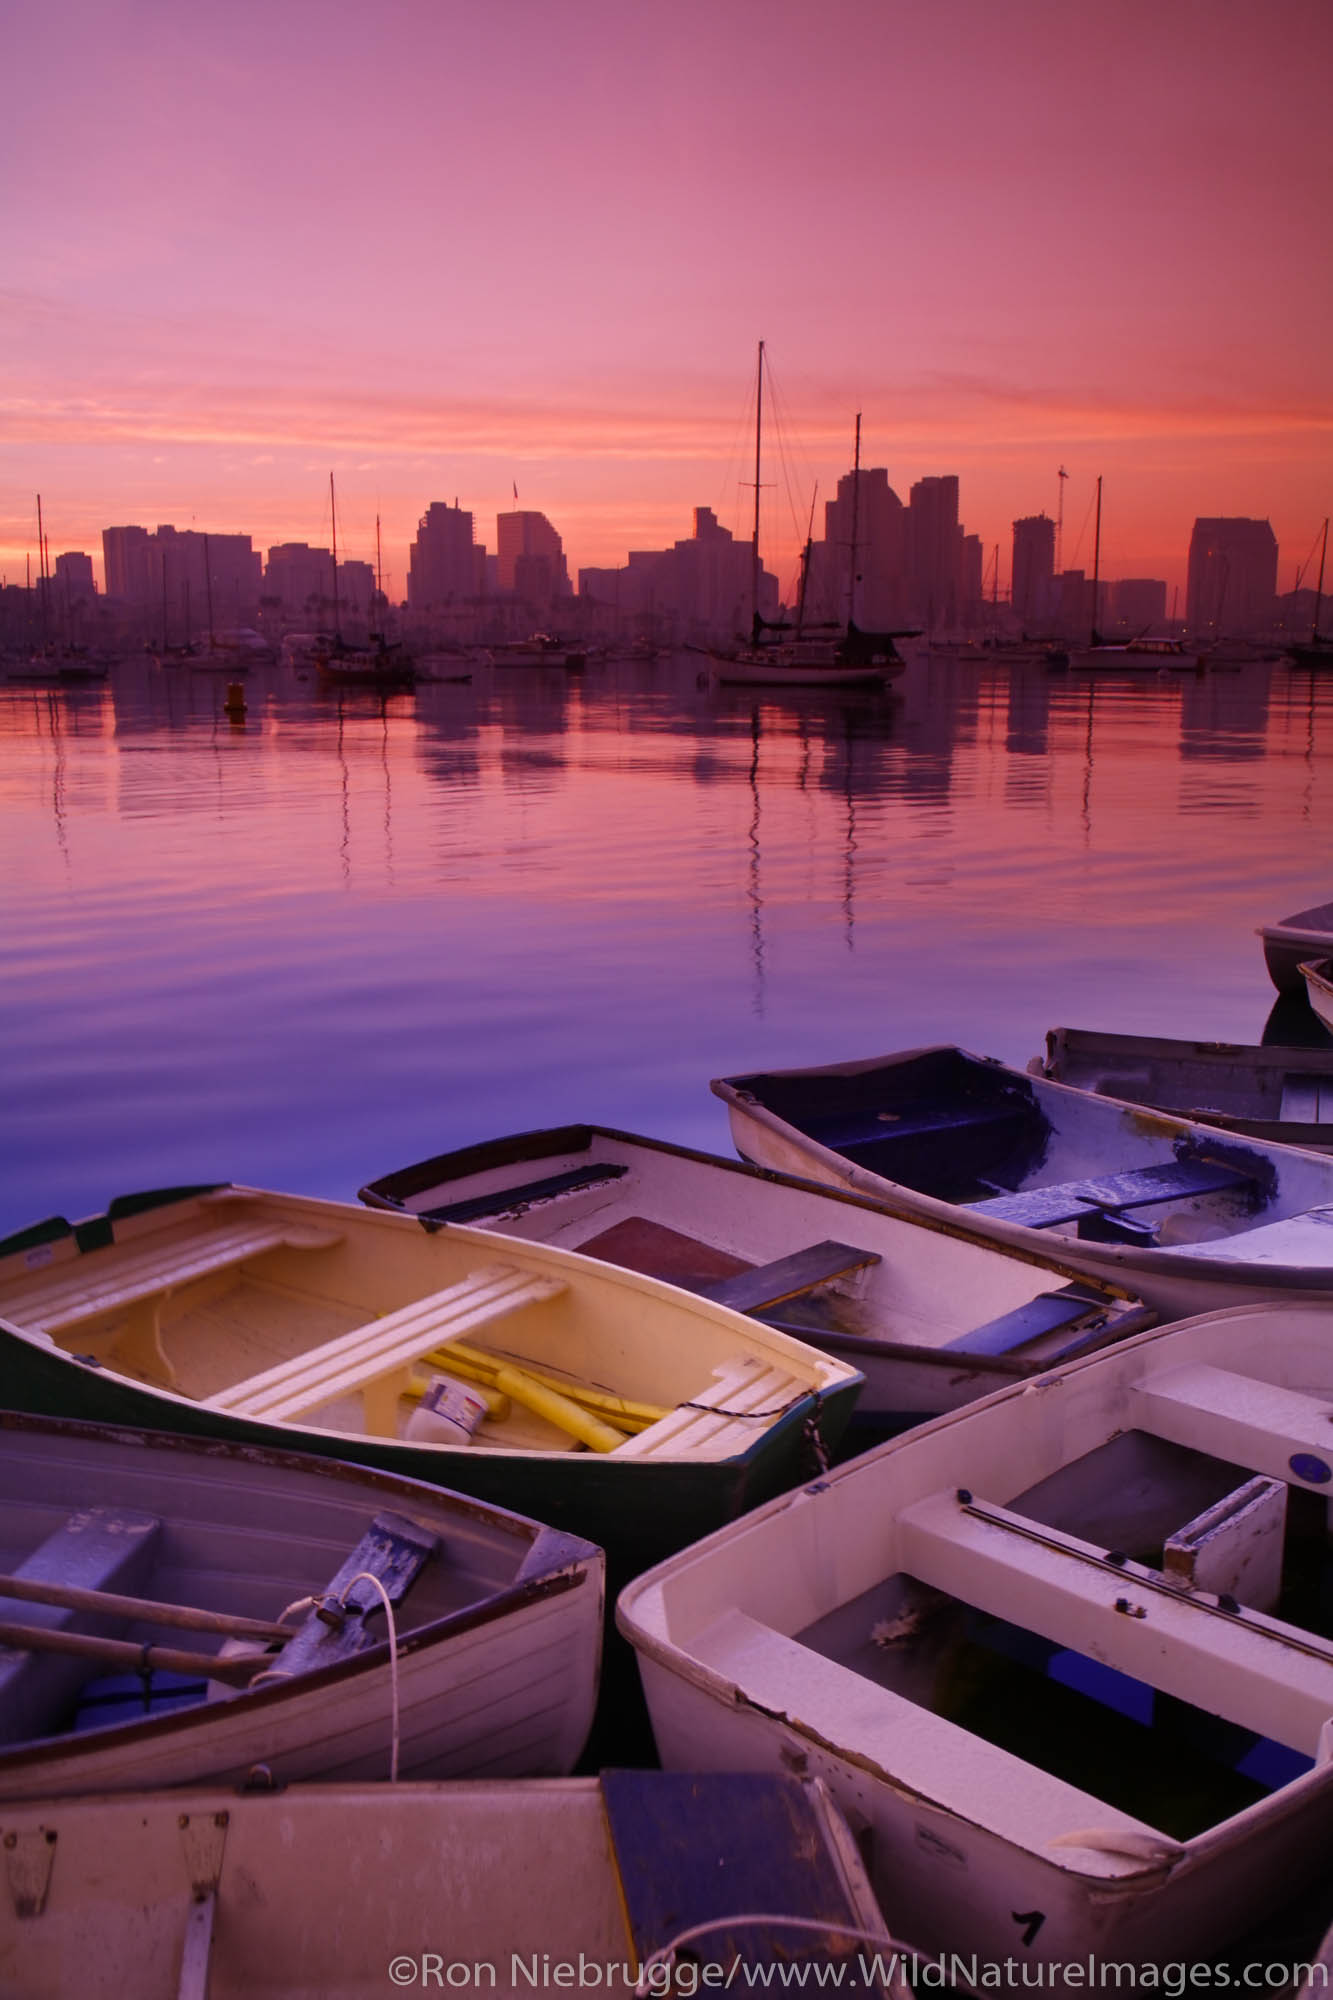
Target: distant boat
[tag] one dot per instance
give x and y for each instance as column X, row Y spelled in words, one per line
column 178, row 1611
column 844, row 657
column 541, row 650
column 521, row 1885
column 595, row 1399
column 381, row 663
column 1291, row 940
column 1269, row 1092
column 1186, row 1216
column 930, row 1316
column 1065, row 1652
column 1319, row 985
column 1147, row 653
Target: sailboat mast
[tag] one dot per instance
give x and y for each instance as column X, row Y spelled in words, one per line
column 1096, row 562
column 333, row 520
column 208, row 590
column 41, row 571
column 856, row 522
column 1319, row 587
column 806, row 555
column 758, row 433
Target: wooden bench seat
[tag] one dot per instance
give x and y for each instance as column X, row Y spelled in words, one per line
column 768, row 1285
column 123, row 1279
column 870, row 1127
column 1254, row 1672
column 1307, row 1099
column 376, row 1360
column 1048, row 1312
column 727, row 1414
column 1248, row 1422
column 930, row 1761
column 1137, row 1187
column 99, row 1548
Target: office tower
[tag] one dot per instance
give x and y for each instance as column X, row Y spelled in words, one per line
column 1232, row 576
column 532, row 558
column 445, row 563
column 1032, row 576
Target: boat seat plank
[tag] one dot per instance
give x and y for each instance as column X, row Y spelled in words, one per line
column 365, row 1357
column 1257, row 1672
column 99, row 1548
column 787, row 1277
column 1256, row 1424
column 508, row 1200
column 93, row 1287
column 638, row 1243
column 723, row 1417
column 394, row 1549
column 925, row 1756
column 1048, row 1312
column 1137, row 1187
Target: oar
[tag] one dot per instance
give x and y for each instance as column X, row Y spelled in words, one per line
column 238, row 1668
column 72, row 1597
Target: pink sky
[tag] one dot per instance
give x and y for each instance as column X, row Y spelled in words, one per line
column 444, row 250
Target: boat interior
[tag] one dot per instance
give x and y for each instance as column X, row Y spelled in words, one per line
column 810, row 1260
column 1017, row 1149
column 1135, row 1644
column 138, row 1576
column 276, row 1308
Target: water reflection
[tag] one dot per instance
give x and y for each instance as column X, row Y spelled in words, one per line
column 355, row 929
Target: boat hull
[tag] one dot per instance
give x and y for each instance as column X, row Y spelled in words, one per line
column 1292, row 940
column 763, row 1649
column 505, row 1680
column 1318, row 976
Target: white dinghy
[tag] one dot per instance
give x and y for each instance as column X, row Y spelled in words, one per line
column 492, row 1888
column 1069, row 1651
column 1189, row 1217
column 931, row 1315
column 175, row 1612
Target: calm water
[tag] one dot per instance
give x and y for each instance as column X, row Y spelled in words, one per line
column 305, row 950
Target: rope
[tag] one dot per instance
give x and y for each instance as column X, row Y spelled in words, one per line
column 365, row 1576
column 879, row 1939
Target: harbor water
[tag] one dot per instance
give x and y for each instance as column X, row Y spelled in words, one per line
column 304, row 944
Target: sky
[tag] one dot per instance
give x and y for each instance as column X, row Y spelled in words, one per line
column 450, row 252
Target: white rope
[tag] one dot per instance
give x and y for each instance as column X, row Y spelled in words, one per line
column 365, row 1576
column 880, row 1939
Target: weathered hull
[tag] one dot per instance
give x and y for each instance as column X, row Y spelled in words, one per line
column 1318, row 978
column 503, row 1888
column 495, row 1679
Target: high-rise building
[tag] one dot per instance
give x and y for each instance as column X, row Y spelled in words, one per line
column 127, row 564
column 1232, row 576
column 445, row 563
column 1031, row 587
column 868, row 513
column 73, row 576
column 532, row 558
column 301, row 578
column 168, row 569
column 934, row 552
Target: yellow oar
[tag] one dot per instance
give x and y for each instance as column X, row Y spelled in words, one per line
column 474, row 1362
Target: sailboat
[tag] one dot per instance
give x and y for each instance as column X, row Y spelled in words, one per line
column 846, row 657
column 53, row 663
column 1317, row 651
column 1141, row 653
column 381, row 663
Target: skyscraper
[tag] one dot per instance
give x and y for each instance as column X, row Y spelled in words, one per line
column 934, row 551
column 532, row 558
column 445, row 563
column 1232, row 576
column 1031, row 589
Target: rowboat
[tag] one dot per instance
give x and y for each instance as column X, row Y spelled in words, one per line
column 504, row 1888
column 173, row 1612
column 1066, row 1650
column 1304, row 935
column 1187, row 1217
column 608, row 1404
column 1270, row 1092
column 1318, row 977
column 932, row 1316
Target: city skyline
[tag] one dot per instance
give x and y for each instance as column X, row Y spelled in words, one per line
column 540, row 258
